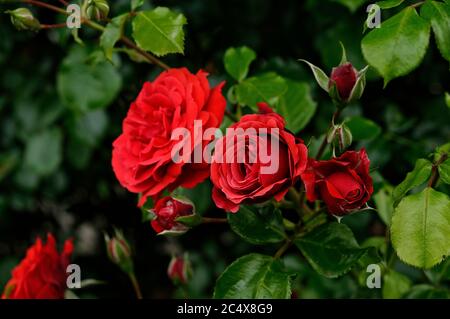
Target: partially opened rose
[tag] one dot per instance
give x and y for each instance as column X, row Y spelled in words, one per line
column 166, row 210
column 42, row 273
column 241, row 175
column 343, row 183
column 141, row 156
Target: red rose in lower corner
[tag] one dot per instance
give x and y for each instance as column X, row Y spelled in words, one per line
column 343, row 183
column 166, row 210
column 141, row 157
column 241, row 174
column 42, row 274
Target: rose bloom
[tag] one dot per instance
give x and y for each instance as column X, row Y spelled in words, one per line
column 42, row 273
column 345, row 77
column 236, row 182
column 166, row 210
column 141, row 157
column 343, row 183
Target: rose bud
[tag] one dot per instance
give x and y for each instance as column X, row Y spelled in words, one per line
column 97, row 9
column 344, row 77
column 119, row 251
column 345, row 83
column 166, row 212
column 343, row 183
column 179, row 270
column 340, row 137
column 23, row 19
column 238, row 172
column 42, row 273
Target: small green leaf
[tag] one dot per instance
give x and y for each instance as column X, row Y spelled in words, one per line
column 113, row 32
column 136, row 4
column 297, row 105
column 418, row 176
column 257, row 225
column 237, row 61
column 43, row 152
column 447, row 99
column 444, row 171
column 398, row 46
column 321, row 78
column 331, row 249
column 253, row 276
column 395, row 285
column 159, row 31
column 263, row 88
column 388, row 4
column 359, row 87
column 82, row 86
column 438, row 14
column 420, row 228
column 363, row 128
column 384, row 204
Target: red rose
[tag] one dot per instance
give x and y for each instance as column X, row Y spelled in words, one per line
column 343, row 183
column 141, row 157
column 166, row 210
column 345, row 77
column 251, row 181
column 42, row 274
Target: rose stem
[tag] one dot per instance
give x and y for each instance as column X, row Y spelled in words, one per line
column 135, row 284
column 283, row 249
column 53, row 26
column 434, row 171
column 209, row 220
column 101, row 28
column 324, row 141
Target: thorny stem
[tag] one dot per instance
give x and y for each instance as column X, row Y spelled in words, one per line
column 434, row 171
column 53, row 26
column 324, row 141
column 125, row 40
column 135, row 284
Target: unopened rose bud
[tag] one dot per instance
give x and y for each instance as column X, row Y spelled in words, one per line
column 166, row 212
column 23, row 19
column 344, row 77
column 179, row 270
column 119, row 251
column 97, row 9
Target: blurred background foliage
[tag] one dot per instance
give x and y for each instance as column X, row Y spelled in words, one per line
column 62, row 104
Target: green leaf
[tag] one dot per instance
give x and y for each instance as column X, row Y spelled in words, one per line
column 363, row 128
column 264, row 88
column 253, row 276
column 237, row 61
column 113, row 32
column 331, row 249
column 395, row 285
column 384, row 203
column 418, row 176
column 398, row 46
column 136, row 4
column 257, row 225
column 444, row 171
column 438, row 14
column 321, row 78
column 420, row 228
column 388, row 4
column 159, row 31
column 43, row 152
column 447, row 99
column 352, row 5
column 297, row 105
column 84, row 87
column 427, row 292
